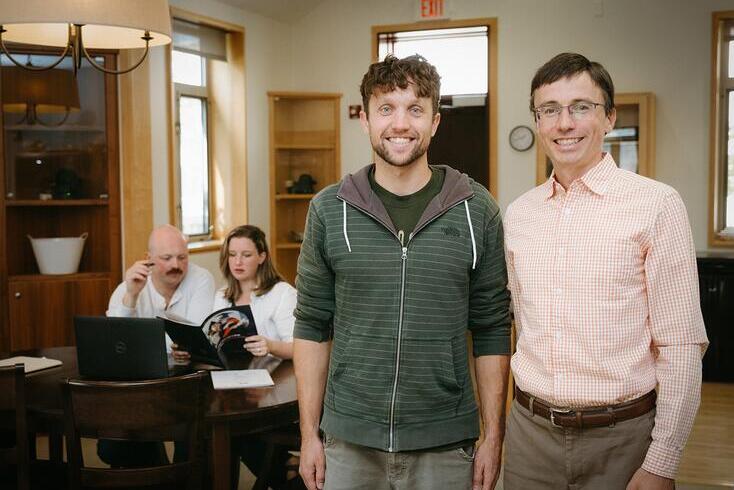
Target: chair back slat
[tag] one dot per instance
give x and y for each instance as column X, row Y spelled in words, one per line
column 134, row 478
column 155, row 410
column 13, row 415
column 134, row 405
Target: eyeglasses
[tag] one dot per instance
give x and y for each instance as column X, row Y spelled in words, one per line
column 578, row 110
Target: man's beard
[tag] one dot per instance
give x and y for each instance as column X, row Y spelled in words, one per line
column 418, row 151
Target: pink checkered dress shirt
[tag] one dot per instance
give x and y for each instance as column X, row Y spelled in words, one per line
column 605, row 293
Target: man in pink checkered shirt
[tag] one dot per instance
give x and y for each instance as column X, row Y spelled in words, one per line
column 602, row 271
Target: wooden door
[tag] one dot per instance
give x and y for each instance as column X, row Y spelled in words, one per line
column 461, row 142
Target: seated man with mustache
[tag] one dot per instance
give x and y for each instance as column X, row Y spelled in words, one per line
column 175, row 286
column 164, row 282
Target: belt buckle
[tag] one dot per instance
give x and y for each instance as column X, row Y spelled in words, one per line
column 553, row 411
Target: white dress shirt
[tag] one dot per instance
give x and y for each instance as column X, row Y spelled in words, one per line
column 192, row 300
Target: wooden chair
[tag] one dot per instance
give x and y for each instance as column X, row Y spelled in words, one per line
column 13, row 420
column 156, row 410
column 289, row 437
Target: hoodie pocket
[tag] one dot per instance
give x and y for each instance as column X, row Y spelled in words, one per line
column 361, row 380
column 428, row 385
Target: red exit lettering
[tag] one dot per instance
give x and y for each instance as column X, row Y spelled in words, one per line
column 431, row 9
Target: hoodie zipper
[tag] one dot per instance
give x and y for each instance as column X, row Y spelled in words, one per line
column 403, row 264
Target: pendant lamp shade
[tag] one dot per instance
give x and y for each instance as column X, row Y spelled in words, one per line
column 108, row 24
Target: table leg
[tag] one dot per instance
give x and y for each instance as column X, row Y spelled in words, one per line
column 55, row 447
column 221, row 456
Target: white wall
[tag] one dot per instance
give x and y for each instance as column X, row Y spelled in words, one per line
column 662, row 46
column 267, row 67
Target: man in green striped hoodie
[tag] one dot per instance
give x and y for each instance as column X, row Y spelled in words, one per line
column 398, row 261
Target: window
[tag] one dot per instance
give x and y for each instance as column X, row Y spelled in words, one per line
column 195, row 47
column 722, row 128
column 464, row 54
column 439, row 47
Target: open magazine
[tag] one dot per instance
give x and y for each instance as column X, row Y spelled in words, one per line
column 219, row 340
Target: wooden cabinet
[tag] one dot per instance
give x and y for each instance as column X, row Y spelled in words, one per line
column 59, row 178
column 43, row 309
column 631, row 142
column 716, row 279
column 304, row 158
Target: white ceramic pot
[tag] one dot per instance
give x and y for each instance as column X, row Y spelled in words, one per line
column 58, row 255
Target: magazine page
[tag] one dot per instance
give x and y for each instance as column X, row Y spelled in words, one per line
column 227, row 328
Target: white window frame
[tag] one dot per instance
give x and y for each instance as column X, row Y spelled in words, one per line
column 721, row 85
column 200, row 92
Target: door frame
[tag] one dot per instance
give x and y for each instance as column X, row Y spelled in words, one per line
column 491, row 24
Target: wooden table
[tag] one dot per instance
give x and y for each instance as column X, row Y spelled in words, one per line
column 231, row 412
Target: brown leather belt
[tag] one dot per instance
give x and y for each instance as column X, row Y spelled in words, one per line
column 593, row 417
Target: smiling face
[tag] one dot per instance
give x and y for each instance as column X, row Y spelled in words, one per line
column 244, row 259
column 400, row 126
column 574, row 146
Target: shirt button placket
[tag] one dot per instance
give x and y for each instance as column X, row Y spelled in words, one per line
column 561, row 272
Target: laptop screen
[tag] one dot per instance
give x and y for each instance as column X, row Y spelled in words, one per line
column 121, row 348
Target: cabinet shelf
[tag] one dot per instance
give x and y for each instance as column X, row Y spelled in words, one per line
column 288, row 245
column 302, row 146
column 57, row 202
column 293, row 197
column 63, row 128
column 57, row 277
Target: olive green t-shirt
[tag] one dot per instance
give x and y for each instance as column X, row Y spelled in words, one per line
column 405, row 211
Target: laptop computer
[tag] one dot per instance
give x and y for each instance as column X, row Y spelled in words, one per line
column 114, row 348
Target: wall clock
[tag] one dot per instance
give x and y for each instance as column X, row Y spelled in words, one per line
column 521, row 138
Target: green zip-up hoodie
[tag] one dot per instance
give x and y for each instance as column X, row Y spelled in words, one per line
column 398, row 312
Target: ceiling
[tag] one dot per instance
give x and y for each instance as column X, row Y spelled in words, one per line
column 282, row 10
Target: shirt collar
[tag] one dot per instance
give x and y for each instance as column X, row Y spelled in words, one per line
column 597, row 179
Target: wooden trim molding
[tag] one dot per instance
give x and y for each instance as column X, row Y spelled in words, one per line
column 171, row 150
column 189, row 16
column 715, row 116
column 492, row 67
column 136, row 161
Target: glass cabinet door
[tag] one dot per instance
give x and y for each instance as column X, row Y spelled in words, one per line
column 55, row 145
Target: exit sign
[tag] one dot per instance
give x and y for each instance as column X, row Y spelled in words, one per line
column 431, row 9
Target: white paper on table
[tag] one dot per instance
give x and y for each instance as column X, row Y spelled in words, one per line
column 31, row 364
column 244, row 378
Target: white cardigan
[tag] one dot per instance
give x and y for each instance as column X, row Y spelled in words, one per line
column 273, row 311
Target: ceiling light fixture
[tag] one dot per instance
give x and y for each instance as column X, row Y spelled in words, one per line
column 79, row 25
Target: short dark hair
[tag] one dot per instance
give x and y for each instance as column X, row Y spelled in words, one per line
column 393, row 72
column 566, row 65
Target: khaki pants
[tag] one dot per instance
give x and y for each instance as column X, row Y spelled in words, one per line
column 539, row 456
column 353, row 467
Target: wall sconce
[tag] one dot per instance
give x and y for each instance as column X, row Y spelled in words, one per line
column 78, row 25
column 52, row 91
